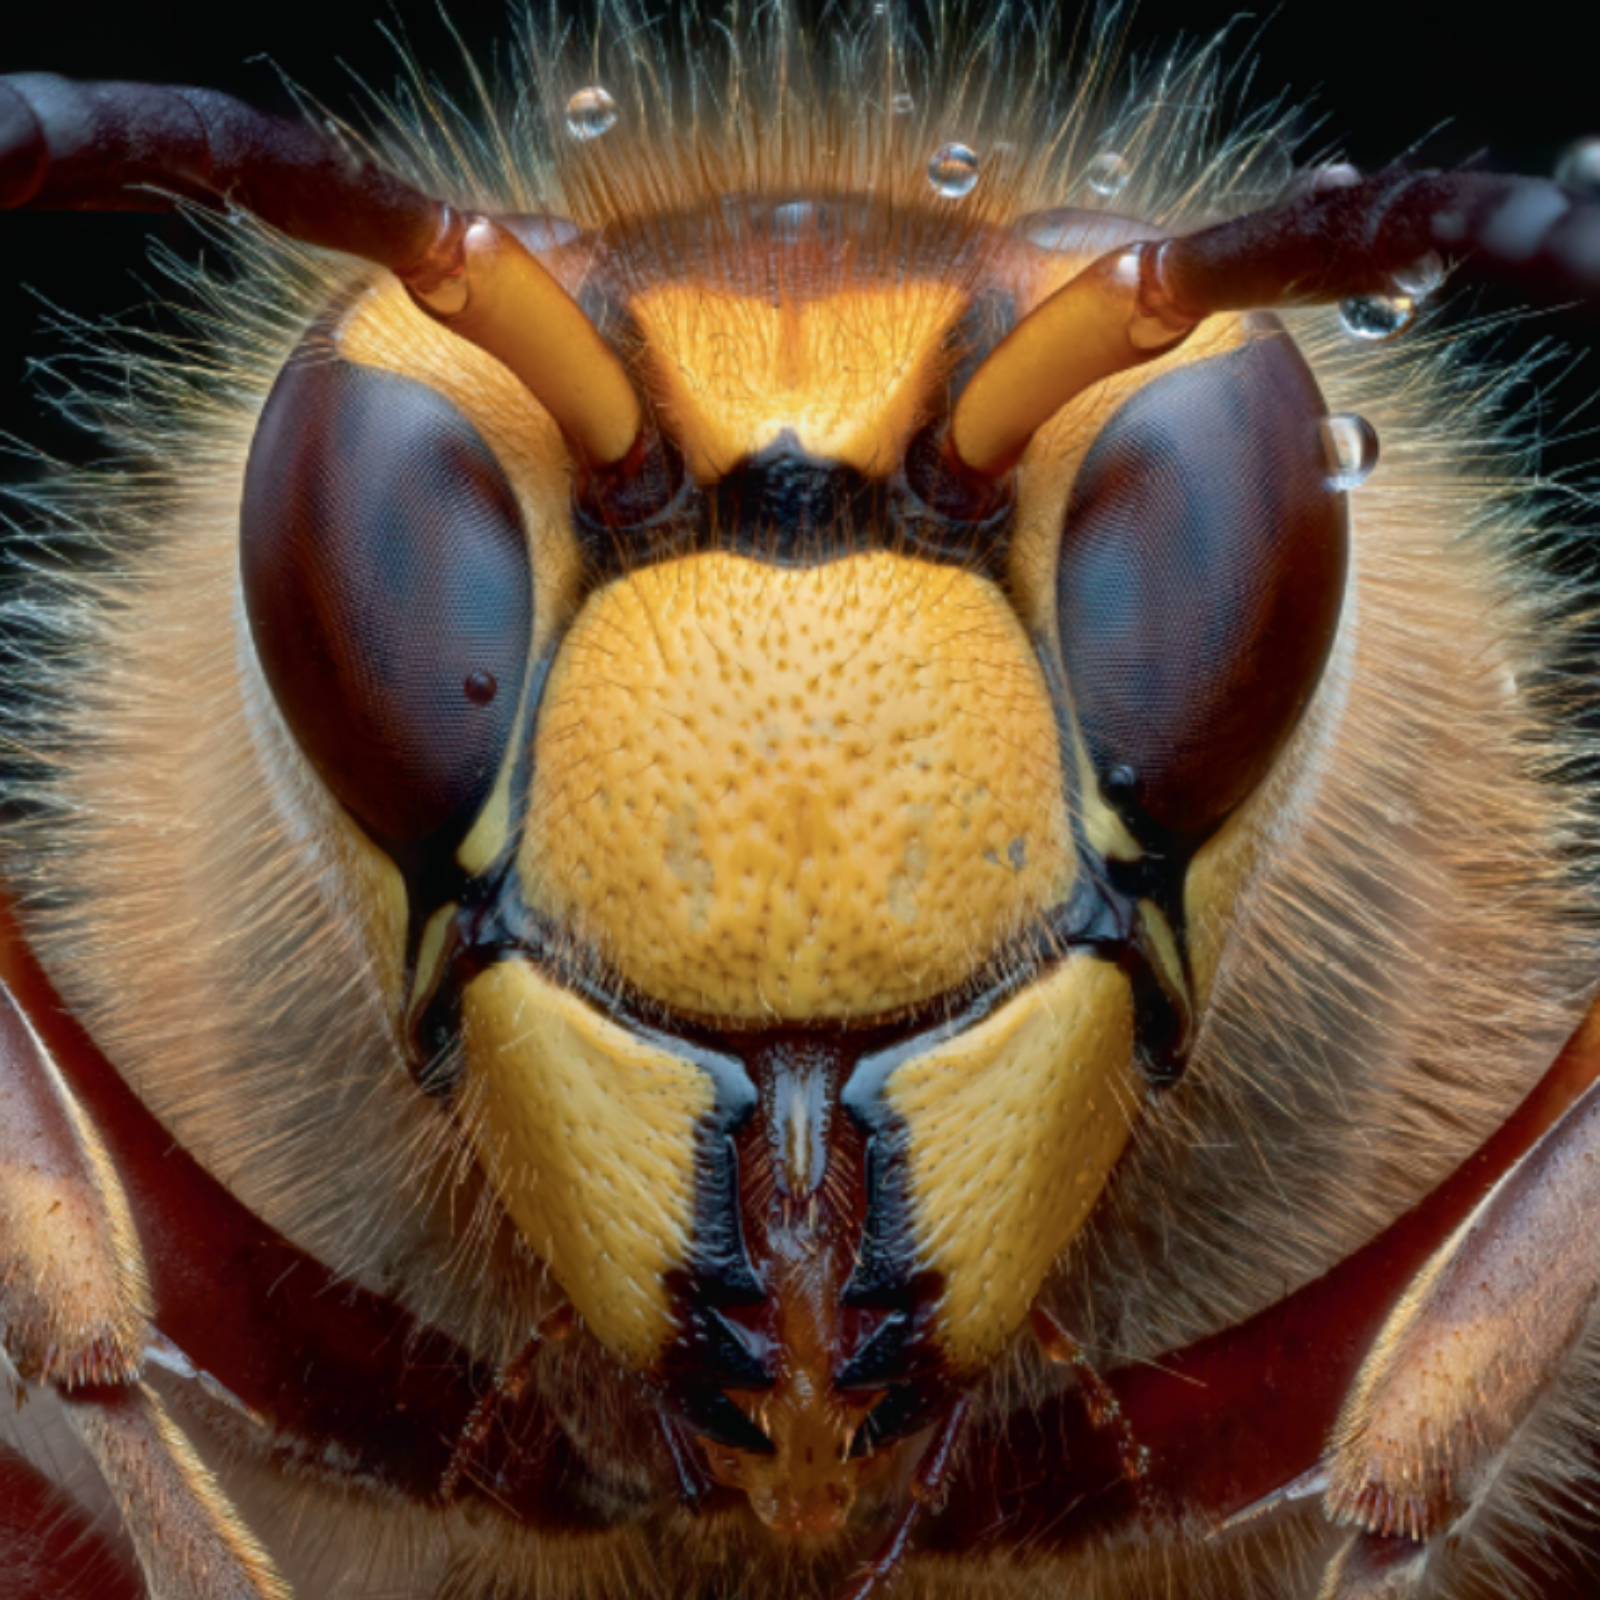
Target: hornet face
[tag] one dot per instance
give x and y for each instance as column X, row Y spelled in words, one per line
column 731, row 807
column 798, row 891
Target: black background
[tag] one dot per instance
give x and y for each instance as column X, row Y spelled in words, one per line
column 1377, row 79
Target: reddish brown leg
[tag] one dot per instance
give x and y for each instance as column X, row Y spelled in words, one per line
column 929, row 1485
column 74, row 1314
column 49, row 1550
column 1376, row 1568
column 1486, row 1328
column 74, row 1305
column 510, row 1383
column 1100, row 1403
column 191, row 1543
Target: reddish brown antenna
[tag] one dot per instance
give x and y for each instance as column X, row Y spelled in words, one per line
column 1337, row 241
column 138, row 146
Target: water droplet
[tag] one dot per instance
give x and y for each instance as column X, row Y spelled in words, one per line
column 591, row 112
column 1419, row 280
column 1332, row 175
column 953, row 171
column 1352, row 446
column 902, row 105
column 1579, row 166
column 1376, row 316
column 1108, row 174
column 792, row 220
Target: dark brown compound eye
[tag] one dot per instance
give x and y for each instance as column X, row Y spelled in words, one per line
column 387, row 583
column 1202, row 572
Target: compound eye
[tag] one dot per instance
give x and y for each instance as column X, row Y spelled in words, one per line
column 1202, row 571
column 387, row 583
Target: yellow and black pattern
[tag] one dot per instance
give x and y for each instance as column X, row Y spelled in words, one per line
column 844, row 929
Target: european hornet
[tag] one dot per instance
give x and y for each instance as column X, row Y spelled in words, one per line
column 810, row 814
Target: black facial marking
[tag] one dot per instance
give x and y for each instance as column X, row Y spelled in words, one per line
column 790, row 509
column 787, row 508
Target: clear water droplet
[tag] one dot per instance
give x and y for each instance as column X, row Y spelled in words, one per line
column 792, row 220
column 953, row 171
column 1419, row 280
column 1332, row 175
column 902, row 105
column 1579, row 166
column 1352, row 445
column 1376, row 316
column 591, row 112
column 1108, row 174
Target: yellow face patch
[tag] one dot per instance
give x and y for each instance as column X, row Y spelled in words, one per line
column 1011, row 1130
column 588, row 1133
column 767, row 794
column 847, row 373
